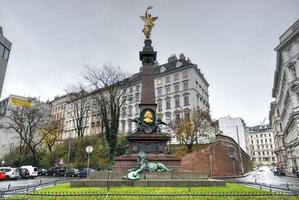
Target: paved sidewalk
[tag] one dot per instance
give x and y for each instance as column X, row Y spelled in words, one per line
column 290, row 174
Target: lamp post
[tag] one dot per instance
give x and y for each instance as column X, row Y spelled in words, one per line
column 89, row 149
column 240, row 154
column 69, row 152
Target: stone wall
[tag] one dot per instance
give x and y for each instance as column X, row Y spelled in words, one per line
column 218, row 159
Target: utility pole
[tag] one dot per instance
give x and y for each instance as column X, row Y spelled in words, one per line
column 240, row 155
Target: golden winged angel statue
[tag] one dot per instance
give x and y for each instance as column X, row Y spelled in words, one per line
column 148, row 23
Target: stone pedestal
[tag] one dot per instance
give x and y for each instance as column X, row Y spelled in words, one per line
column 154, row 145
column 147, row 138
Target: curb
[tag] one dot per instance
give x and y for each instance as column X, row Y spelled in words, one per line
column 230, row 177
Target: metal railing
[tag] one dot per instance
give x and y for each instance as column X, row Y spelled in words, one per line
column 265, row 191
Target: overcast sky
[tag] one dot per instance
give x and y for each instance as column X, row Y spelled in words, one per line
column 232, row 42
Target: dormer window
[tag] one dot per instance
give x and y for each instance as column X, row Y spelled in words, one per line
column 159, row 82
column 178, row 64
column 176, row 77
column 162, row 69
column 185, row 74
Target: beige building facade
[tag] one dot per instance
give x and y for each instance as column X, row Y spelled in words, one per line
column 284, row 110
column 261, row 143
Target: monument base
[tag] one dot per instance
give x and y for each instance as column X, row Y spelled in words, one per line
column 147, row 183
column 124, row 163
column 154, row 145
column 147, row 179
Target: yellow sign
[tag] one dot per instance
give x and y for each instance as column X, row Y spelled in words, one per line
column 20, row 102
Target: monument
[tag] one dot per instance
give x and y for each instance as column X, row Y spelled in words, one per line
column 147, row 157
column 148, row 137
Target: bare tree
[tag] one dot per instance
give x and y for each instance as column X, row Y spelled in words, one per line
column 27, row 123
column 79, row 107
column 188, row 129
column 110, row 84
column 52, row 134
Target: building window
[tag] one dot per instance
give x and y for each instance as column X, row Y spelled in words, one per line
column 177, row 118
column 137, row 110
column 177, row 102
column 137, row 88
column 137, row 97
column 187, row 116
column 167, row 79
column 159, row 92
column 168, row 104
column 176, row 77
column 185, row 74
column 1, row 50
column 124, row 112
column 176, row 88
column 253, row 154
column 251, row 141
column 293, row 71
column 168, row 118
column 167, row 89
column 130, row 111
column 131, row 99
column 186, row 100
column 129, row 126
column 185, row 85
column 159, row 82
column 123, row 126
column 160, row 106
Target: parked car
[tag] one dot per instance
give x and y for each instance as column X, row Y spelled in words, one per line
column 33, row 172
column 2, row 175
column 297, row 173
column 11, row 173
column 72, row 173
column 278, row 172
column 83, row 172
column 56, row 171
column 42, row 172
column 24, row 173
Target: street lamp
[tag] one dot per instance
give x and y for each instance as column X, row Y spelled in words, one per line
column 89, row 149
column 69, row 151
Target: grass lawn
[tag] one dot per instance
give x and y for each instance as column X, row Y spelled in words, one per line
column 230, row 188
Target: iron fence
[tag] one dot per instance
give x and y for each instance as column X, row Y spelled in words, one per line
column 107, row 195
column 265, row 191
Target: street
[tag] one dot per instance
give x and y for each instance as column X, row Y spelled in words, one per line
column 264, row 175
column 14, row 184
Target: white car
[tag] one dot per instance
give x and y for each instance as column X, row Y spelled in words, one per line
column 33, row 172
column 11, row 173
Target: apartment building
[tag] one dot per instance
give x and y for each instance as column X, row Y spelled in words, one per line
column 262, row 145
column 5, row 46
column 284, row 110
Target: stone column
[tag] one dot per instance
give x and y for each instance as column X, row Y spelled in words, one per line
column 148, row 57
